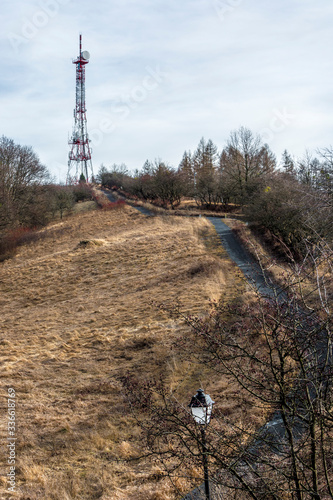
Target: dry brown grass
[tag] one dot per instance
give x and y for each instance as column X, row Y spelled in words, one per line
column 76, row 315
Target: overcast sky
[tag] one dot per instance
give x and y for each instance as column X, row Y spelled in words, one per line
column 163, row 74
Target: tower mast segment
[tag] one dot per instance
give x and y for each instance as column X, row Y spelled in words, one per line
column 79, row 158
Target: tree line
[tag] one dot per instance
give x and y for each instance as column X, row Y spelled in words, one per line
column 29, row 198
column 28, row 195
column 290, row 200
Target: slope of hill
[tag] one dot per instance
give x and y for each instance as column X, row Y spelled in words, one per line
column 76, row 315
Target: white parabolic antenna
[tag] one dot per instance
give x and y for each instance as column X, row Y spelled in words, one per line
column 85, row 55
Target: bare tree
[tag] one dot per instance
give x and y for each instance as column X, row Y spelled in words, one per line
column 244, row 160
column 21, row 173
column 168, row 185
column 62, row 199
column 286, row 210
column 308, row 170
column 326, row 171
column 277, row 351
column 114, row 176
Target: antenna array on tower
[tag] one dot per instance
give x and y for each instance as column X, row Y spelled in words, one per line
column 79, row 158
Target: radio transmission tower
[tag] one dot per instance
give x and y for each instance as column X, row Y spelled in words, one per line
column 79, row 158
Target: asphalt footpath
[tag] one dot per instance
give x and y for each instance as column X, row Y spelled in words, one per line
column 273, row 433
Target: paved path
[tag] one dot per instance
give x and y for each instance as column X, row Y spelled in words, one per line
column 109, row 195
column 144, row 211
column 253, row 273
column 244, row 260
column 113, row 199
column 273, row 433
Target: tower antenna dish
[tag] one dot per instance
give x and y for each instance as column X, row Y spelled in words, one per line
column 79, row 158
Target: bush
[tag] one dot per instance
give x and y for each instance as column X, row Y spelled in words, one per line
column 15, row 238
column 82, row 192
column 61, row 199
column 279, row 210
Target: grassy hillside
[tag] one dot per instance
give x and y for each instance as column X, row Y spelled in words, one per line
column 76, row 316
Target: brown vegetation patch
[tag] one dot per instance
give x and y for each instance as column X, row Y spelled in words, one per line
column 76, row 316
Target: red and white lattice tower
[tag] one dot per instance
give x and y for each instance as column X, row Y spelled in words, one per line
column 79, row 158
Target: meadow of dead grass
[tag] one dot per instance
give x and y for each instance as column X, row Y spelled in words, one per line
column 76, row 316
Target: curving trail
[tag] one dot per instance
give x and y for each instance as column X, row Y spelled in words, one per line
column 113, row 199
column 273, row 430
column 273, row 433
column 244, row 260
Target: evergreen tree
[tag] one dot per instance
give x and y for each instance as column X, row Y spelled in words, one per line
column 288, row 163
column 186, row 173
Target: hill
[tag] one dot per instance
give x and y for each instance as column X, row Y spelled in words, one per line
column 76, row 316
